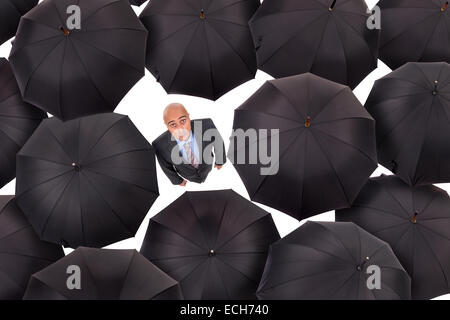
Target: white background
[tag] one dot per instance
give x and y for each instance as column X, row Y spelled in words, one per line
column 144, row 105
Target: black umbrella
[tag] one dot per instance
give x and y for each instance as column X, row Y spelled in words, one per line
column 18, row 120
column 411, row 107
column 10, row 13
column 22, row 253
column 329, row 38
column 332, row 261
column 415, row 221
column 326, row 145
column 102, row 275
column 200, row 48
column 414, row 31
column 137, row 3
column 214, row 243
column 89, row 181
column 76, row 72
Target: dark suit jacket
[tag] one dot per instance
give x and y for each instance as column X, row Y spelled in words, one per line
column 165, row 146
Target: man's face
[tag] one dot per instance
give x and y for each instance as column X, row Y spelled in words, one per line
column 179, row 124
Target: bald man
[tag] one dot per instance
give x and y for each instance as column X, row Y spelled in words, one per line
column 189, row 148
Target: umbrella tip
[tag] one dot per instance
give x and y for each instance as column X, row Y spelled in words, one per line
column 444, row 7
column 65, row 31
column 212, row 253
column 202, row 14
column 414, row 220
column 76, row 166
column 332, row 6
column 308, row 122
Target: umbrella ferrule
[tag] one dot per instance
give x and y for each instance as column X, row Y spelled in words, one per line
column 76, row 166
column 444, row 7
column 212, row 253
column 361, row 266
column 202, row 14
column 414, row 219
column 331, row 8
column 308, row 122
column 65, row 31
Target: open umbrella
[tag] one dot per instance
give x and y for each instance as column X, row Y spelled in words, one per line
column 10, row 13
column 18, row 120
column 137, row 3
column 415, row 221
column 414, row 31
column 72, row 72
column 214, row 243
column 99, row 274
column 89, row 181
column 333, row 261
column 200, row 48
column 22, row 253
column 411, row 107
column 329, row 38
column 324, row 145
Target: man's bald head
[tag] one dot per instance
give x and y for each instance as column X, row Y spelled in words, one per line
column 177, row 121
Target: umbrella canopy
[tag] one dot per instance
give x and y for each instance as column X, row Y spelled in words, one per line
column 326, row 145
column 10, row 13
column 200, row 48
column 22, row 253
column 77, row 72
column 332, row 261
column 415, row 221
column 18, row 120
column 103, row 275
column 89, row 181
column 411, row 107
column 329, row 38
column 137, row 3
column 414, row 31
column 214, row 243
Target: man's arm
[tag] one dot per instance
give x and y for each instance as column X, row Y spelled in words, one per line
column 219, row 145
column 169, row 170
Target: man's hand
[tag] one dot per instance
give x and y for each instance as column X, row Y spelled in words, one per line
column 218, row 167
column 183, row 184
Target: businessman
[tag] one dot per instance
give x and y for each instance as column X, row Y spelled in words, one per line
column 189, row 148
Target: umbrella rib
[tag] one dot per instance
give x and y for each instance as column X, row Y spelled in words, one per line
column 239, row 271
column 436, row 233
column 278, row 161
column 340, row 241
column 45, row 181
column 222, row 217
column 108, row 53
column 126, row 275
column 225, row 7
column 238, row 233
column 210, row 63
column 41, row 159
column 58, row 142
column 26, row 256
column 282, row 13
column 343, row 284
column 60, row 81
column 435, row 257
column 395, row 126
column 221, row 279
column 116, row 155
column 398, row 97
column 9, row 138
column 99, row 9
column 408, row 29
column 198, row 219
column 39, row 65
column 13, row 233
column 183, row 56
column 231, row 47
column 430, row 36
column 178, row 257
column 302, row 116
column 327, row 105
column 397, row 225
column 334, row 169
column 16, row 50
column 379, row 211
column 271, row 114
column 44, row 227
column 99, row 139
column 172, row 34
column 12, row 279
column 356, row 32
column 90, row 272
column 394, row 198
column 343, row 50
column 313, row 61
column 227, row 21
column 173, row 231
column 346, row 143
column 89, row 76
column 112, row 210
column 289, row 40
